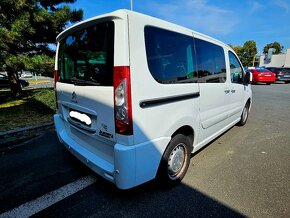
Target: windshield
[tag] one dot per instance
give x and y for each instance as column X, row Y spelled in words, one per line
column 86, row 57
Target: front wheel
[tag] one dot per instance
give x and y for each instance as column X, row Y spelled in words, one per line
column 245, row 115
column 175, row 161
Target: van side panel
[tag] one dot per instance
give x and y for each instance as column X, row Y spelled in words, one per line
column 159, row 120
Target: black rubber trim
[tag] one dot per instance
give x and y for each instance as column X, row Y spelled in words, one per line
column 167, row 100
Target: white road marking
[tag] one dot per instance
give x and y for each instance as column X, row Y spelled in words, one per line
column 32, row 207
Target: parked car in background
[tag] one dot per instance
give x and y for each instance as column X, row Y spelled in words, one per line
column 262, row 75
column 275, row 70
column 4, row 82
column 282, row 74
column 26, row 74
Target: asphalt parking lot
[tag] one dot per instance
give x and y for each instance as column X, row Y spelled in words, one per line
column 243, row 173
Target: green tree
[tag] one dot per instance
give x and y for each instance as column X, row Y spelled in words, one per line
column 27, row 27
column 249, row 51
column 239, row 50
column 276, row 45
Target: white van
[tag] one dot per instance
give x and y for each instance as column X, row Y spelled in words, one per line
column 137, row 95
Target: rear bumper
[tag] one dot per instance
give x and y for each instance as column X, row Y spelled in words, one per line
column 282, row 78
column 132, row 165
column 264, row 79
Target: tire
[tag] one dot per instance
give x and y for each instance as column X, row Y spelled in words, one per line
column 287, row 82
column 175, row 161
column 268, row 83
column 245, row 115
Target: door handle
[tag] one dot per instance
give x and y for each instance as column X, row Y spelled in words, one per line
column 233, row 91
column 227, row 91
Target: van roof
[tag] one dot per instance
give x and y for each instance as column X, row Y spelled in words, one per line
column 123, row 13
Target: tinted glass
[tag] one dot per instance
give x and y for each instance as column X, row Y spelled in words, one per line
column 86, row 57
column 210, row 62
column 262, row 70
column 236, row 70
column 170, row 56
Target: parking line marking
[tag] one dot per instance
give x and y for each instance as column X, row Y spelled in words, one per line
column 32, row 207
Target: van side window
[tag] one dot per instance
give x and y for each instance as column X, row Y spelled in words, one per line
column 236, row 70
column 170, row 56
column 210, row 62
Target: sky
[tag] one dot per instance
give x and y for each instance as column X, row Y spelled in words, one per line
column 230, row 21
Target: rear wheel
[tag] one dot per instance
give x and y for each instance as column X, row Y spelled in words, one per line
column 287, row 82
column 175, row 161
column 245, row 115
column 268, row 83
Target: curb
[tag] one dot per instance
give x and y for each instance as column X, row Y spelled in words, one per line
column 18, row 135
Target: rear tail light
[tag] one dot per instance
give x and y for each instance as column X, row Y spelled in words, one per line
column 122, row 101
column 56, row 79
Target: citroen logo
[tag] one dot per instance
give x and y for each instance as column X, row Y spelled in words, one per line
column 74, row 97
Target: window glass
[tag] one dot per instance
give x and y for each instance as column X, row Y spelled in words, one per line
column 210, row 62
column 262, row 70
column 170, row 56
column 86, row 57
column 236, row 70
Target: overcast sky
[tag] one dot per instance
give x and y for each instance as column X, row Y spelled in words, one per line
column 231, row 21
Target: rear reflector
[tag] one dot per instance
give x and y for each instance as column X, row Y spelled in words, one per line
column 122, row 100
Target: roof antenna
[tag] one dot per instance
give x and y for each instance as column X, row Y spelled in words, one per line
column 131, row 5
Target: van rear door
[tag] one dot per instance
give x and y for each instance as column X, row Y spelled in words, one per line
column 85, row 64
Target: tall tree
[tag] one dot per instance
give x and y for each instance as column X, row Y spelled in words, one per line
column 249, row 52
column 276, row 45
column 239, row 50
column 27, row 27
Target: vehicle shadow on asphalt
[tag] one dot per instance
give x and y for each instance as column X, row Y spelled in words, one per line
column 103, row 199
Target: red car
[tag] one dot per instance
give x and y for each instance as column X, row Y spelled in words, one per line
column 263, row 75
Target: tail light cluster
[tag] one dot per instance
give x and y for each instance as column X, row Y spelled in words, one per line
column 56, row 79
column 122, row 100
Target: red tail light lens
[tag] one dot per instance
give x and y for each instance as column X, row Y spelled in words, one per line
column 56, row 78
column 122, row 101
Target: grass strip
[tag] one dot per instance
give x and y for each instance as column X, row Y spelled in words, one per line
column 34, row 107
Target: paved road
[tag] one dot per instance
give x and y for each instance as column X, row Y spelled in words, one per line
column 245, row 172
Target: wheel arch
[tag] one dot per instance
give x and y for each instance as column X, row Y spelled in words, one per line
column 249, row 101
column 187, row 131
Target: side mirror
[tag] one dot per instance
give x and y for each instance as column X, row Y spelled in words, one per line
column 248, row 78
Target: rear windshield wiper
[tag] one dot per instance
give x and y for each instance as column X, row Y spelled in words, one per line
column 81, row 82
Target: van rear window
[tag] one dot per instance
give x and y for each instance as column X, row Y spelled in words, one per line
column 86, row 57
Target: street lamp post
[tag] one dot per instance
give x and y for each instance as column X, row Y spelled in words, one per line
column 131, row 5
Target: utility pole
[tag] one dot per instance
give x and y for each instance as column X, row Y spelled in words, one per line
column 131, row 5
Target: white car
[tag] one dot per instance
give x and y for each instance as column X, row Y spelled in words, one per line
column 137, row 95
column 26, row 74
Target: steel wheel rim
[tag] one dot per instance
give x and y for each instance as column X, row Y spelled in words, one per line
column 245, row 114
column 176, row 160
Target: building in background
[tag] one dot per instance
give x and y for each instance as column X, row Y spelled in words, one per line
column 279, row 60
